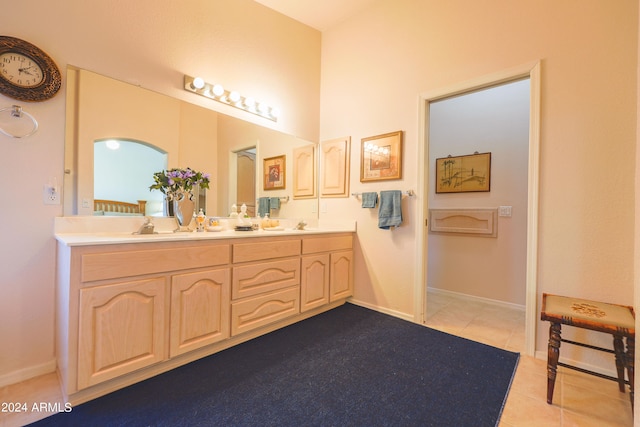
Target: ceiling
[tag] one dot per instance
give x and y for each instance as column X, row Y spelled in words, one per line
column 319, row 14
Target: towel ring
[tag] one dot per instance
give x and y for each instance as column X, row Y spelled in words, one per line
column 17, row 112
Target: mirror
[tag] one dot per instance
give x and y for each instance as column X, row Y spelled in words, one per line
column 101, row 109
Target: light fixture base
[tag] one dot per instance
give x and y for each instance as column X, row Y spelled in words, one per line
column 232, row 98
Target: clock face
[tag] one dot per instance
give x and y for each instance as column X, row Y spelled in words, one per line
column 20, row 70
column 26, row 72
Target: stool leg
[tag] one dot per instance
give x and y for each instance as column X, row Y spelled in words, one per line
column 629, row 359
column 552, row 358
column 618, row 346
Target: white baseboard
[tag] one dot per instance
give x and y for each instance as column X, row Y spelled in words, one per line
column 27, row 373
column 475, row 298
column 393, row 313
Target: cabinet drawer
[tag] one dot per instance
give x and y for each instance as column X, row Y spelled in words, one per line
column 326, row 244
column 111, row 265
column 243, row 252
column 254, row 312
column 269, row 276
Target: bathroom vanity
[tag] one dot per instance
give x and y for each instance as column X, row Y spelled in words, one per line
column 132, row 306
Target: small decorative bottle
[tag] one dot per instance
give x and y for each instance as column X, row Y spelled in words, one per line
column 234, row 211
column 200, row 220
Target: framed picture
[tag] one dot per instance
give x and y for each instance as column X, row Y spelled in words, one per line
column 381, row 157
column 463, row 174
column 274, row 170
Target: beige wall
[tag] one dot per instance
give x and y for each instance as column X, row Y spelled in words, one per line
column 373, row 68
column 494, row 120
column 153, row 43
column 375, row 65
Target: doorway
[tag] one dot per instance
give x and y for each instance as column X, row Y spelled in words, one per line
column 532, row 72
column 246, row 180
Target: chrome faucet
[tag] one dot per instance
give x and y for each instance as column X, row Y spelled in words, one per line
column 146, row 228
column 301, row 225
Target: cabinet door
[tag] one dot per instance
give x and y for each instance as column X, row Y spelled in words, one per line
column 121, row 329
column 199, row 310
column 341, row 281
column 314, row 290
column 304, row 172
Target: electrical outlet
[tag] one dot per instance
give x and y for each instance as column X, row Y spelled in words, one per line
column 50, row 195
column 504, row 211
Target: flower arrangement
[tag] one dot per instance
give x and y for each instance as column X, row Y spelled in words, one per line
column 173, row 180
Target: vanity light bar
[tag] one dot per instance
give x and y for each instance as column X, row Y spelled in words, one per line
column 232, row 98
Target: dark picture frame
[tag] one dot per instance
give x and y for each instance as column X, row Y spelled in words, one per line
column 463, row 174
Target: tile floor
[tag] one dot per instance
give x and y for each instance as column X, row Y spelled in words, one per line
column 579, row 400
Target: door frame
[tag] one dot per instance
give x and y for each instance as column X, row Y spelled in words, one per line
column 532, row 72
column 233, row 164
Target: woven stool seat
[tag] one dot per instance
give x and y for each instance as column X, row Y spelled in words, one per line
column 617, row 320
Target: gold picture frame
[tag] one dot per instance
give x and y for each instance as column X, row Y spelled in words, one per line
column 274, row 172
column 463, row 174
column 381, row 157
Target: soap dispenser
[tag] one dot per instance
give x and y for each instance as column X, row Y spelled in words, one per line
column 200, row 220
column 266, row 222
column 234, row 211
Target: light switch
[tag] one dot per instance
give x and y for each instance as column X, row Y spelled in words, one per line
column 504, row 211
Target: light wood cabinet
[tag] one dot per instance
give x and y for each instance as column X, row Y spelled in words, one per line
column 314, row 287
column 327, row 275
column 127, row 312
column 304, row 172
column 121, row 329
column 251, row 313
column 334, row 167
column 267, row 289
column 199, row 310
column 341, row 275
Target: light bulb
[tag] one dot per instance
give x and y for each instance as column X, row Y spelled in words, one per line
column 249, row 102
column 198, row 83
column 275, row 112
column 263, row 107
column 112, row 144
column 218, row 90
column 234, row 96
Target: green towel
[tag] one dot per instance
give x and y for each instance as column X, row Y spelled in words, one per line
column 390, row 213
column 369, row 200
column 274, row 203
column 263, row 206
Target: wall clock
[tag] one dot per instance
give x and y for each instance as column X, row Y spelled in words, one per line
column 26, row 72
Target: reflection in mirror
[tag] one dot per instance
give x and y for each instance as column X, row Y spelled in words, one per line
column 100, row 109
column 246, row 179
column 123, row 171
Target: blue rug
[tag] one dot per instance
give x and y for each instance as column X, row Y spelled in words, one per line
column 350, row 366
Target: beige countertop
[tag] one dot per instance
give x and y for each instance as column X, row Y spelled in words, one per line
column 82, row 231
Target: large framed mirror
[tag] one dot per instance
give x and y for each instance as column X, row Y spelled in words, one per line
column 118, row 134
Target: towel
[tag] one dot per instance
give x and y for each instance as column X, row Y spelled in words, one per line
column 390, row 212
column 369, row 200
column 274, row 203
column 263, row 206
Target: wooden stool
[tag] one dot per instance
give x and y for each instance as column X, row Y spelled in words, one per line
column 617, row 320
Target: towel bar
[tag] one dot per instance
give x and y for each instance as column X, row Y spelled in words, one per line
column 409, row 193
